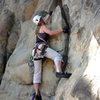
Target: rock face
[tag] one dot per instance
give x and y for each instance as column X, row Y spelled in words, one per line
column 6, row 22
column 12, row 40
column 83, row 16
column 83, row 53
column 23, row 9
column 1, row 5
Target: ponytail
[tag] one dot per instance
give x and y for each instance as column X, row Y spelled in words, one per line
column 37, row 30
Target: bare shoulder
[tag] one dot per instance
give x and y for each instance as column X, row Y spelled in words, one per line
column 44, row 27
column 46, row 30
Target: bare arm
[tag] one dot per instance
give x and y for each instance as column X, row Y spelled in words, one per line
column 50, row 14
column 46, row 30
column 47, row 20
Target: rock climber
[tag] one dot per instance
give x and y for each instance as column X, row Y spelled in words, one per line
column 42, row 50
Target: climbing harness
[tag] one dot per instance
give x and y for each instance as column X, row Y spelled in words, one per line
column 39, row 53
column 40, row 49
column 41, row 38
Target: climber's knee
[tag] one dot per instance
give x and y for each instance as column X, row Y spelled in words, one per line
column 57, row 58
column 52, row 54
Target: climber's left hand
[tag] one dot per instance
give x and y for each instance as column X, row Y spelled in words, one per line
column 50, row 13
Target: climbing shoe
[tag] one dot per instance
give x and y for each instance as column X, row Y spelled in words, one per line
column 33, row 96
column 63, row 74
column 36, row 97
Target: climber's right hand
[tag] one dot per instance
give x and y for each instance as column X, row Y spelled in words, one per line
column 65, row 29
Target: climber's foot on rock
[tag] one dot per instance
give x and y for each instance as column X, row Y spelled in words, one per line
column 63, row 74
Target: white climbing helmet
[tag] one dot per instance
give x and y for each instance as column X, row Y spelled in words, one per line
column 36, row 19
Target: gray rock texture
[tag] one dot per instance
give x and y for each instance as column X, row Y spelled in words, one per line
column 6, row 23
column 23, row 9
column 80, row 50
column 83, row 52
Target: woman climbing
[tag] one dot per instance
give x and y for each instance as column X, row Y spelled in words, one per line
column 42, row 50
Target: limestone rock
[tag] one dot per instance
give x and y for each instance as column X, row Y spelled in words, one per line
column 23, row 49
column 1, row 5
column 16, row 66
column 23, row 9
column 21, row 74
column 46, row 5
column 96, row 33
column 84, row 84
column 6, row 22
column 83, row 56
column 83, row 53
column 12, row 40
column 24, row 45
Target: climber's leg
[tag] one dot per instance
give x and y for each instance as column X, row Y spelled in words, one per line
column 36, row 88
column 58, row 65
column 37, row 75
column 57, row 58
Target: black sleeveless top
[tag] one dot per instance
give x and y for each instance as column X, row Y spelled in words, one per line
column 43, row 36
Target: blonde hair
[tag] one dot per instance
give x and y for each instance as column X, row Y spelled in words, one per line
column 37, row 30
